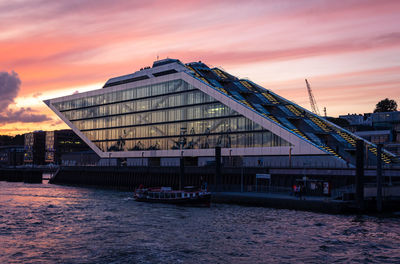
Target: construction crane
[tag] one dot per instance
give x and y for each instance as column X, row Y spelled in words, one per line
column 313, row 103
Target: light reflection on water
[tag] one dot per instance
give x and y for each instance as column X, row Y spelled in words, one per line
column 60, row 224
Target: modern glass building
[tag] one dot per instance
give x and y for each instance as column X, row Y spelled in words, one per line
column 174, row 109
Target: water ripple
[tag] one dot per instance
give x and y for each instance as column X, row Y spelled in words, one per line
column 63, row 224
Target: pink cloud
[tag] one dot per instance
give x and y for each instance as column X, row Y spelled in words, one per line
column 236, row 57
column 58, row 44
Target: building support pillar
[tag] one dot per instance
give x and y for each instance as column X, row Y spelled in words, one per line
column 379, row 178
column 360, row 174
column 181, row 173
column 218, row 176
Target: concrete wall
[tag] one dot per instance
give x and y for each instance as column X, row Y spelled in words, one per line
column 137, row 162
column 170, row 162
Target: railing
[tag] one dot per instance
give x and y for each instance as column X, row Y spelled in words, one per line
column 253, row 188
column 337, row 193
column 53, row 176
column 322, row 125
column 268, row 189
column 294, row 110
column 270, row 97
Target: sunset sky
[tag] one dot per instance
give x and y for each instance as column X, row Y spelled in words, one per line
column 348, row 50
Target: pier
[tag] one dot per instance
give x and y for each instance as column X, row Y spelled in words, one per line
column 28, row 175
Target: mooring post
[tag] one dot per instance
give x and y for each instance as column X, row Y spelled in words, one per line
column 217, row 168
column 241, row 176
column 360, row 174
column 379, row 178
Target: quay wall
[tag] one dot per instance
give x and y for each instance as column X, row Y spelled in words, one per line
column 28, row 175
column 230, row 190
column 314, row 204
column 232, row 178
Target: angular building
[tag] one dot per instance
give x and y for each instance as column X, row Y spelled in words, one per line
column 158, row 114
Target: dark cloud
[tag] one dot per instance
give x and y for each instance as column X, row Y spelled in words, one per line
column 25, row 115
column 9, row 88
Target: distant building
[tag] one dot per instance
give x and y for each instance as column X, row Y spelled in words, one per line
column 59, row 142
column 378, row 128
column 171, row 110
column 376, row 136
column 358, row 119
column 11, row 155
column 34, row 148
column 16, row 140
column 389, row 121
column 386, row 120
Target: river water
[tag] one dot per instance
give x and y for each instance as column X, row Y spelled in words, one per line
column 43, row 223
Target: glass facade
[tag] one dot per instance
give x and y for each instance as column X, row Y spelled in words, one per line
column 169, row 115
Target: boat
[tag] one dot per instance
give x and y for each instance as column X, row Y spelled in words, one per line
column 189, row 196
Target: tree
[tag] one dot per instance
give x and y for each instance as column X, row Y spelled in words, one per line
column 11, row 140
column 386, row 105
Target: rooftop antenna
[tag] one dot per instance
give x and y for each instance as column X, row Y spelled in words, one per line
column 313, row 103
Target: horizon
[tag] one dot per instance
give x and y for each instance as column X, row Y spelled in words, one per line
column 347, row 51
